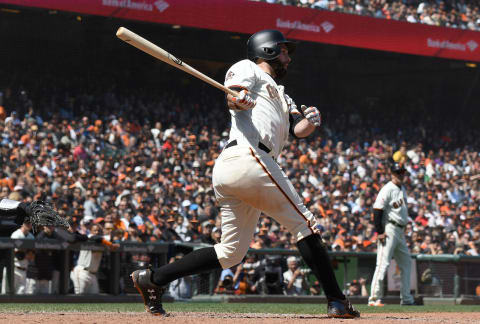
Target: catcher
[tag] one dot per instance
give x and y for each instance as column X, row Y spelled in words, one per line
column 38, row 213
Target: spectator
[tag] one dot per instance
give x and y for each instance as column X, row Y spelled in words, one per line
column 455, row 14
column 153, row 179
column 181, row 289
column 357, row 288
column 315, row 288
column 226, row 283
column 294, row 278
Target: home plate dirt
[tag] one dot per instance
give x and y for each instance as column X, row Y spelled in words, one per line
column 227, row 318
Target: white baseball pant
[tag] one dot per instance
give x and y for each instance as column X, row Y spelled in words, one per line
column 84, row 282
column 19, row 279
column 395, row 246
column 247, row 181
column 35, row 286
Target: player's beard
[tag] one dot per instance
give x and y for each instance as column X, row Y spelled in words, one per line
column 279, row 68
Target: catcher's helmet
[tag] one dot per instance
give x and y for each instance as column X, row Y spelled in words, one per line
column 397, row 167
column 266, row 43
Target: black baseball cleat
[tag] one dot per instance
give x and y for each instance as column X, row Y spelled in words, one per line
column 338, row 308
column 150, row 292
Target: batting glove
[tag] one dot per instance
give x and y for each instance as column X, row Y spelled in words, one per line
column 312, row 114
column 244, row 101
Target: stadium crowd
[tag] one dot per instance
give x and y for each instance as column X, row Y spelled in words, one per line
column 449, row 13
column 143, row 172
column 137, row 168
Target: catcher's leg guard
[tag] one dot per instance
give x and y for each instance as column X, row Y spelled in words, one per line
column 151, row 293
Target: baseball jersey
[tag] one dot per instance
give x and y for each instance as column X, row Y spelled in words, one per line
column 18, row 234
column 268, row 122
column 89, row 260
column 393, row 200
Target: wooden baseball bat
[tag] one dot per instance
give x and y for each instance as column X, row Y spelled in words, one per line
column 152, row 49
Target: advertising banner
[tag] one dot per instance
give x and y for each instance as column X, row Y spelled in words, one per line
column 244, row 16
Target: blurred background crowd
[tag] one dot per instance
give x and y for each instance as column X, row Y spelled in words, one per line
column 139, row 165
column 447, row 13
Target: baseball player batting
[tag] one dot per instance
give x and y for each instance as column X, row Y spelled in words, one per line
column 391, row 216
column 247, row 180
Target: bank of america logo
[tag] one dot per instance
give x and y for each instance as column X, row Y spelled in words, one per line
column 472, row 45
column 161, row 5
column 327, row 26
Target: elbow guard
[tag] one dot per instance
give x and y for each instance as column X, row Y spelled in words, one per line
column 10, row 209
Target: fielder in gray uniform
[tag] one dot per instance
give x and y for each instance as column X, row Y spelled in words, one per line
column 391, row 217
column 247, row 180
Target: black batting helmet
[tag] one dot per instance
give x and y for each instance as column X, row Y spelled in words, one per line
column 397, row 167
column 266, row 43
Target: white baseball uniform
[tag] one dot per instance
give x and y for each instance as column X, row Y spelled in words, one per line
column 84, row 275
column 20, row 268
column 393, row 201
column 246, row 178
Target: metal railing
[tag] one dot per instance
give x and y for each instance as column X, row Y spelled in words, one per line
column 159, row 252
column 451, row 275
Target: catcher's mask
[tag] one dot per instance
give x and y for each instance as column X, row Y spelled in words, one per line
column 266, row 43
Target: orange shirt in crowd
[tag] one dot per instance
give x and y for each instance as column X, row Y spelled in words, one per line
column 7, row 182
column 120, row 225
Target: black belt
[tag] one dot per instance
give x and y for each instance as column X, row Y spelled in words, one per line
column 395, row 223
column 261, row 146
column 21, row 268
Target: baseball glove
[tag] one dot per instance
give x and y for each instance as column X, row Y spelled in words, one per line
column 40, row 213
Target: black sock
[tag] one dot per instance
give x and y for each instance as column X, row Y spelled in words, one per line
column 198, row 261
column 315, row 254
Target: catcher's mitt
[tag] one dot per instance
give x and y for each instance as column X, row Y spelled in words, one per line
column 40, row 213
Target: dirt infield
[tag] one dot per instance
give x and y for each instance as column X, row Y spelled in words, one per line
column 223, row 318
